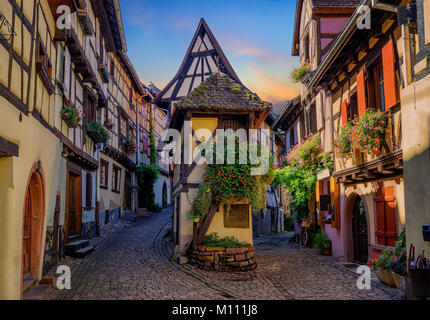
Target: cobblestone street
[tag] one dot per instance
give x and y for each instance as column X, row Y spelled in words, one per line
column 133, row 263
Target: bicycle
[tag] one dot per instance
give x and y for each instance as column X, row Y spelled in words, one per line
column 304, row 234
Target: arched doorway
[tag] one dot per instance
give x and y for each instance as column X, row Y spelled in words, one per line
column 359, row 231
column 34, row 214
column 164, row 199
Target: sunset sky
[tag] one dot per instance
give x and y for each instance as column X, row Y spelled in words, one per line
column 256, row 37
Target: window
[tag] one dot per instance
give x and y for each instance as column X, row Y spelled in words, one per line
column 104, row 169
column 89, row 191
column 112, row 68
column 44, row 67
column 123, row 124
column 306, row 48
column 375, row 86
column 312, row 114
column 116, row 178
column 352, row 110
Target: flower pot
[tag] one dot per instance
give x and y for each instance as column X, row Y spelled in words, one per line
column 386, row 277
column 71, row 123
column 398, row 279
column 196, row 220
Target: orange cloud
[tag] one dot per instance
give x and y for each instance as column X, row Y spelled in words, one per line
column 271, row 88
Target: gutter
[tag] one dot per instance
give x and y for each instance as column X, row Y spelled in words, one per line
column 339, row 43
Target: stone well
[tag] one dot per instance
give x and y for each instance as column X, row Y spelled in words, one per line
column 224, row 259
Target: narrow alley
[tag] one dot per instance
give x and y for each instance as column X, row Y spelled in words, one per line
column 133, row 263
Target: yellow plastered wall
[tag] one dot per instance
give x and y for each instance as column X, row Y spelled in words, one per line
column 242, row 234
column 35, row 143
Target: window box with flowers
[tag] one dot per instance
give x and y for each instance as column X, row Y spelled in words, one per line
column 128, row 145
column 97, row 132
column 364, row 134
column 71, row 116
column 298, row 73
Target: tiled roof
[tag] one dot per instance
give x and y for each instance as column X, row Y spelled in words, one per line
column 219, row 91
column 335, row 3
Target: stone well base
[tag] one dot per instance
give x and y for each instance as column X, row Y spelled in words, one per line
column 224, row 259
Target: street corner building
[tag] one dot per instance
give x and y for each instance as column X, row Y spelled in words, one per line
column 377, row 72
column 207, row 93
column 74, row 125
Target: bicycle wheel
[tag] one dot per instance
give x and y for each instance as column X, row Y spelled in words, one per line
column 304, row 239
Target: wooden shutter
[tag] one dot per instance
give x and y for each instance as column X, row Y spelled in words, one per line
column 335, row 200
column 390, row 217
column 318, row 190
column 89, row 190
column 386, row 222
column 388, row 66
column 380, row 217
column 344, row 111
column 361, row 93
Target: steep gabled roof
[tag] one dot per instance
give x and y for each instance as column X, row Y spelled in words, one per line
column 220, row 92
column 203, row 58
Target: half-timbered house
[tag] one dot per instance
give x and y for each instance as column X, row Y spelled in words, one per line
column 50, row 176
column 362, row 70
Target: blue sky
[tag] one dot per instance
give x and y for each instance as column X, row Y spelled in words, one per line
column 256, row 37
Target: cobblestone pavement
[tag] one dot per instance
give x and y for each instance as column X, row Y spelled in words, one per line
column 133, row 263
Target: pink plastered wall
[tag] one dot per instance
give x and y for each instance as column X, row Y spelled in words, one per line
column 335, row 236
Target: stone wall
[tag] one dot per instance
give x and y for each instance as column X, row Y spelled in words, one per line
column 224, row 259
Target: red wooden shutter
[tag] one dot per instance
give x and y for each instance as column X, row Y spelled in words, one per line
column 386, row 223
column 344, row 113
column 388, row 67
column 380, row 218
column 390, row 217
column 361, row 93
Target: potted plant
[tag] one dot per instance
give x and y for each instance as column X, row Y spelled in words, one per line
column 108, row 124
column 298, row 73
column 382, row 267
column 71, row 116
column 323, row 243
column 97, row 132
column 129, row 146
column 193, row 216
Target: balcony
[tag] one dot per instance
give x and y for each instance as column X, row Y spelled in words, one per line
column 85, row 22
column 103, row 70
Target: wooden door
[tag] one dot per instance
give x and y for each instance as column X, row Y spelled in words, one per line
column 359, row 230
column 27, row 235
column 73, row 206
column 164, row 196
column 34, row 210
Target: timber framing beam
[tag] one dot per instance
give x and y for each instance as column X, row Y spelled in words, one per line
column 8, row 149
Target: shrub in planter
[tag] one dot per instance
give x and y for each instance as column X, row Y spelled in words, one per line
column 323, row 243
column 71, row 116
column 213, row 240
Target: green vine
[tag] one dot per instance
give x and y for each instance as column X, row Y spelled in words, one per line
column 299, row 175
column 228, row 183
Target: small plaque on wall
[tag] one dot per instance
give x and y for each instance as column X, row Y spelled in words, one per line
column 238, row 217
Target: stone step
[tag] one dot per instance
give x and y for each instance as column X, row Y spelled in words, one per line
column 74, row 237
column 82, row 253
column 72, row 247
column 28, row 282
column 39, row 292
